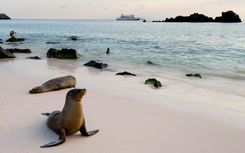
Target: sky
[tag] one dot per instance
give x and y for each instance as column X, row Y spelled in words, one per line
column 110, row 9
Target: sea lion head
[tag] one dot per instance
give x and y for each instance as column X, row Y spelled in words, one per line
column 76, row 94
column 35, row 90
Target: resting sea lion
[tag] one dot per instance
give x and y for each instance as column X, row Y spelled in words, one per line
column 70, row 120
column 55, row 84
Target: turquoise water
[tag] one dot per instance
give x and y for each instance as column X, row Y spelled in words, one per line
column 216, row 49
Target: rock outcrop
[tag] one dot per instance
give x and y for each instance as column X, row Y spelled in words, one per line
column 52, row 42
column 16, row 50
column 154, row 82
column 150, row 63
column 73, row 38
column 126, row 73
column 15, row 39
column 4, row 17
column 63, row 53
column 5, row 54
column 96, row 64
column 228, row 16
column 194, row 75
column 192, row 18
column 34, row 58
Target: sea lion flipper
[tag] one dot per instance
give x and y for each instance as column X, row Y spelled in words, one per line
column 61, row 140
column 46, row 114
column 54, row 143
column 90, row 133
column 85, row 133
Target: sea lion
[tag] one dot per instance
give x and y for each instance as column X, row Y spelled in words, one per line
column 70, row 120
column 55, row 84
column 108, row 51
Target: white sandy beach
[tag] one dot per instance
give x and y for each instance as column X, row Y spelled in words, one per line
column 132, row 117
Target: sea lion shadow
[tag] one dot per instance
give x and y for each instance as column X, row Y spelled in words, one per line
column 44, row 133
column 47, row 135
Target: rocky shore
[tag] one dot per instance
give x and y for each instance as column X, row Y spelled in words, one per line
column 4, row 17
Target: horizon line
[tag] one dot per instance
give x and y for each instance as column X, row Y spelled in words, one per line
column 78, row 19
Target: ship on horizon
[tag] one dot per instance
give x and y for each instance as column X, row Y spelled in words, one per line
column 127, row 18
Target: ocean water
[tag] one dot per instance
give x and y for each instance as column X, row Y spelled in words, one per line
column 212, row 49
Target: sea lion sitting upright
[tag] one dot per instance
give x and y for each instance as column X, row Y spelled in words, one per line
column 55, row 84
column 70, row 120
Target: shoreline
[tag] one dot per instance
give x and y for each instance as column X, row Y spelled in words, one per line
column 174, row 82
column 132, row 117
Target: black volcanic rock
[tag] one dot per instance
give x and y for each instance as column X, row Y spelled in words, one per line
column 96, row 64
column 194, row 75
column 228, row 16
column 4, row 17
column 15, row 39
column 154, row 82
column 192, row 18
column 73, row 38
column 52, row 42
column 5, row 54
column 126, row 73
column 150, row 63
column 16, row 50
column 63, row 53
column 1, row 41
column 34, row 57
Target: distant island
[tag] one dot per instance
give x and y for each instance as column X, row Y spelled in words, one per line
column 4, row 17
column 227, row 17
